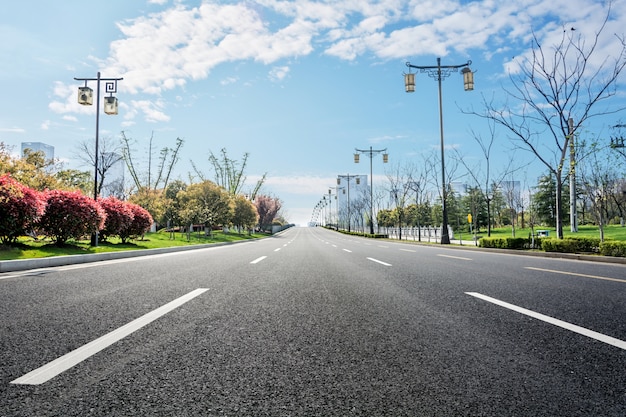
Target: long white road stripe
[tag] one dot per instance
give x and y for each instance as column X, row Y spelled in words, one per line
column 565, row 325
column 455, row 257
column 380, row 262
column 65, row 362
column 576, row 274
column 259, row 259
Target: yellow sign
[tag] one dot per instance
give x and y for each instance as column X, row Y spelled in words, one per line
column 469, row 218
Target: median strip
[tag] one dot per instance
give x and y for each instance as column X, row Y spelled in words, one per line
column 563, row 324
column 67, row 361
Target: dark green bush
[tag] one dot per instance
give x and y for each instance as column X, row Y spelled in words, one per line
column 504, row 242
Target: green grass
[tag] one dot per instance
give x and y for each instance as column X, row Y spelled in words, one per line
column 612, row 232
column 28, row 248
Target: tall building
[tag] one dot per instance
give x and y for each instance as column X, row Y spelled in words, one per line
column 47, row 150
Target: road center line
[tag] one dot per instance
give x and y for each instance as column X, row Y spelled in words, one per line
column 348, row 250
column 380, row 262
column 563, row 324
column 259, row 259
column 576, row 274
column 407, row 250
column 455, row 257
column 65, row 362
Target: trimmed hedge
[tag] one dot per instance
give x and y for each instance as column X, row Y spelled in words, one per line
column 613, row 248
column 373, row 236
column 571, row 245
column 505, row 242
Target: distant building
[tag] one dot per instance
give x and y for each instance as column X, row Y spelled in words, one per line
column 459, row 188
column 357, row 189
column 47, row 150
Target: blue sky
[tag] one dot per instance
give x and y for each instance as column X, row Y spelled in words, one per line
column 296, row 84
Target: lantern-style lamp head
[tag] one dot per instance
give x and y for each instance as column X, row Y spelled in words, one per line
column 110, row 105
column 385, row 158
column 356, row 158
column 468, row 79
column 85, row 96
column 409, row 82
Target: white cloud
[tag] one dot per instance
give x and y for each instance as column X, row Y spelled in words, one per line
column 278, row 73
column 152, row 110
column 12, row 130
column 163, row 51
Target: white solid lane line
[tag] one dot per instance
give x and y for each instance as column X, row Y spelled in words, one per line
column 65, row 362
column 380, row 262
column 259, row 259
column 563, row 324
column 455, row 257
column 576, row 274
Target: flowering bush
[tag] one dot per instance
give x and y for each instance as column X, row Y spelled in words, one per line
column 119, row 217
column 70, row 215
column 20, row 208
column 142, row 220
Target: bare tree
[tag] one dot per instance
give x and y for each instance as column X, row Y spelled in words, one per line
column 168, row 157
column 482, row 173
column 600, row 180
column 554, row 85
column 109, row 152
column 230, row 174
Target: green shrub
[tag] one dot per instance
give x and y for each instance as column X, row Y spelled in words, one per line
column 571, row 245
column 504, row 242
column 613, row 248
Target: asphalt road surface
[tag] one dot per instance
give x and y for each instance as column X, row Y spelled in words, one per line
column 315, row 323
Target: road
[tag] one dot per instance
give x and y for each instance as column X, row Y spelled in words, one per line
column 315, row 323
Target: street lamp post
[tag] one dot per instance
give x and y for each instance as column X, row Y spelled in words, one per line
column 85, row 97
column 336, row 203
column 439, row 72
column 371, row 152
column 348, row 177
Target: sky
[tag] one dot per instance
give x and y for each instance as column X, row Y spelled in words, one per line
column 297, row 85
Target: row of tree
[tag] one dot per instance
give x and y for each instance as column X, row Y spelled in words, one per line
column 175, row 204
column 555, row 92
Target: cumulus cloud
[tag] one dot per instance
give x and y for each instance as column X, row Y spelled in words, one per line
column 165, row 50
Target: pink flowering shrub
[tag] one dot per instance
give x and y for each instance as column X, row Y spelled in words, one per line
column 20, row 208
column 142, row 220
column 70, row 215
column 119, row 217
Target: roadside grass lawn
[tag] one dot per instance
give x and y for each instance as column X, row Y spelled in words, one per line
column 28, row 248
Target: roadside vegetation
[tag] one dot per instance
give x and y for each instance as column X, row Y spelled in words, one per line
column 29, row 248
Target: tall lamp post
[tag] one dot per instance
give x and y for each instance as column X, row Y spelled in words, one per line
column 439, row 72
column 85, row 97
column 371, row 152
column 348, row 177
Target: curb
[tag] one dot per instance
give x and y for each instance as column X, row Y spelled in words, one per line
column 25, row 264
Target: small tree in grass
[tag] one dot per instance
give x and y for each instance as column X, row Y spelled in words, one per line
column 70, row 215
column 20, row 208
column 142, row 220
column 120, row 217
